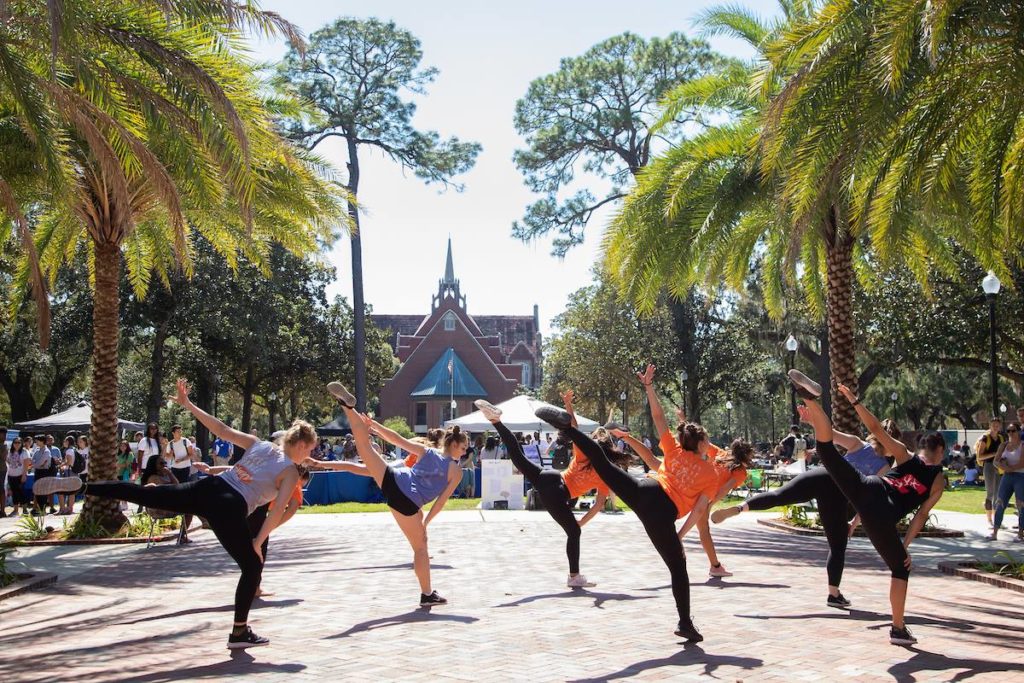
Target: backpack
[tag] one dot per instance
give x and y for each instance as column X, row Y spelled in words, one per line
column 560, row 457
column 78, row 466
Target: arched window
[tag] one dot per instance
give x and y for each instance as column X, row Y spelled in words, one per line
column 449, row 321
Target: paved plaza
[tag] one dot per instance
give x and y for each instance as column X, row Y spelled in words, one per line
column 345, row 609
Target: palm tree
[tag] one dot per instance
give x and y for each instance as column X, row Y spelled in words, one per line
column 158, row 128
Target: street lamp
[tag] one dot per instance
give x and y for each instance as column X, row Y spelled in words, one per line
column 622, row 397
column 792, row 345
column 453, row 404
column 990, row 285
column 683, row 376
column 728, row 418
column 894, row 396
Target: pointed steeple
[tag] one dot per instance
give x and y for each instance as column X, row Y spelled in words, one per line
column 448, row 286
column 449, row 268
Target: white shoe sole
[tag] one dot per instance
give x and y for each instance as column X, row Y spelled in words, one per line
column 338, row 391
column 806, row 386
column 51, row 485
column 243, row 646
column 719, row 576
column 491, row 412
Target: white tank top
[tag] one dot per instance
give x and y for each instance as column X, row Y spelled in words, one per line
column 1012, row 455
column 264, row 461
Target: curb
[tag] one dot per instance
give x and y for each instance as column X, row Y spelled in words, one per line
column 779, row 524
column 30, row 582
column 169, row 536
column 969, row 570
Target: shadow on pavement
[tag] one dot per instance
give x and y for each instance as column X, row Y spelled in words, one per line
column 931, row 661
column 417, row 615
column 210, row 610
column 691, row 654
column 599, row 598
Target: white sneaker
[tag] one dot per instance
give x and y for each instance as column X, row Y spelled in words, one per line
column 492, row 413
column 339, row 392
column 719, row 571
column 579, row 581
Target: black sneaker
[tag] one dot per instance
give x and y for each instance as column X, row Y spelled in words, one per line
column 805, row 386
column 689, row 632
column 901, row 636
column 556, row 417
column 838, row 601
column 246, row 639
column 431, row 600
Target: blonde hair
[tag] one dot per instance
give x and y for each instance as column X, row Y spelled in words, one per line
column 299, row 431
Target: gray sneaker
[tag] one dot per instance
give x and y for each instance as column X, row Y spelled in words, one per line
column 805, row 386
column 339, row 392
column 492, row 413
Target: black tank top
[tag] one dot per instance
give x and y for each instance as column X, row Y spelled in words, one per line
column 911, row 483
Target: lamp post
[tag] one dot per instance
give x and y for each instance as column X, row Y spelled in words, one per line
column 990, row 285
column 622, row 397
column 453, row 404
column 792, row 345
column 771, row 411
column 894, row 397
column 728, row 418
column 683, row 376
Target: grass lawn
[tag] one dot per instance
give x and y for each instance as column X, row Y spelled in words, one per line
column 453, row 504
column 969, row 499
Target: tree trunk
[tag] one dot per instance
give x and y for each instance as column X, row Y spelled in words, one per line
column 271, row 416
column 839, row 318
column 358, row 305
column 247, row 391
column 824, row 372
column 204, row 399
column 156, row 379
column 102, row 465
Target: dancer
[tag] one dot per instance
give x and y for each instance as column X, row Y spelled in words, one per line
column 266, row 473
column 683, row 486
column 407, row 489
column 731, row 467
column 1011, row 463
column 559, row 490
column 916, row 482
column 834, row 512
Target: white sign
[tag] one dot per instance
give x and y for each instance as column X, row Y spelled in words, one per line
column 498, row 482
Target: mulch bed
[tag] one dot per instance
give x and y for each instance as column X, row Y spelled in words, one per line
column 28, row 582
column 157, row 538
column 969, row 570
column 783, row 525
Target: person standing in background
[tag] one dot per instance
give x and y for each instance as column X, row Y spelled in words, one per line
column 149, row 445
column 986, row 449
column 3, row 471
column 43, row 467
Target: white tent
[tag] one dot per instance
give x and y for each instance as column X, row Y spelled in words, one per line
column 517, row 415
column 78, row 418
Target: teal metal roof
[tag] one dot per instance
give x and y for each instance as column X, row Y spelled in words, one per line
column 438, row 382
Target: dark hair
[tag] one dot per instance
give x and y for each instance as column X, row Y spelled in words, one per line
column 304, row 473
column 39, row 437
column 604, row 439
column 794, row 428
column 492, row 443
column 933, row 441
column 150, row 426
column 454, row 434
column 435, row 436
column 995, row 419
column 3, row 430
column 176, row 428
column 69, row 440
column 124, row 442
column 151, row 466
column 739, row 455
column 690, row 436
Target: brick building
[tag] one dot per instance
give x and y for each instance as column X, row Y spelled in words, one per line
column 449, row 354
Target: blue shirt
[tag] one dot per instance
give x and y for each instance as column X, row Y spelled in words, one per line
column 427, row 479
column 222, row 448
column 866, row 460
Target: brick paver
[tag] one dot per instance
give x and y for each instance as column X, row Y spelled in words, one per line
column 345, row 608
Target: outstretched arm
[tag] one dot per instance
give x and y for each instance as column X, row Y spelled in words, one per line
column 216, row 427
column 645, row 453
column 567, row 399
column 396, row 439
column 892, row 446
column 657, row 413
column 847, row 442
column 341, row 466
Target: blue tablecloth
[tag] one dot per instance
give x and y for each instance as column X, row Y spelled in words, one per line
column 341, row 487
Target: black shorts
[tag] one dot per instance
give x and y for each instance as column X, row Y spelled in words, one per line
column 397, row 500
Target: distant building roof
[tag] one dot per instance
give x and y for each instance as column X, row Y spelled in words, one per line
column 438, row 381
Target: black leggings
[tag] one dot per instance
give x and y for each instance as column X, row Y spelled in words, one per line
column 255, row 522
column 551, row 489
column 655, row 509
column 833, row 511
column 222, row 506
column 870, row 496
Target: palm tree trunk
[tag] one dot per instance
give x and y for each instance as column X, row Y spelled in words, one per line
column 103, row 434
column 842, row 351
column 358, row 305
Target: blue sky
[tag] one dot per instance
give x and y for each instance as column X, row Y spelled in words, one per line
column 487, row 53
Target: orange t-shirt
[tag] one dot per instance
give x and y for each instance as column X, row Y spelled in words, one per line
column 579, row 478
column 736, row 477
column 296, row 498
column 684, row 475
